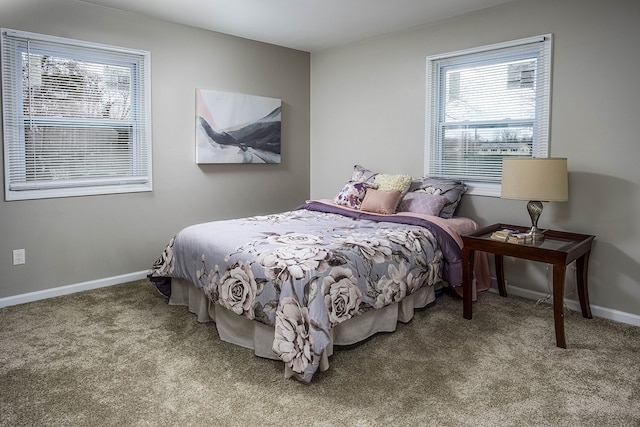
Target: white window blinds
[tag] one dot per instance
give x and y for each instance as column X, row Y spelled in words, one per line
column 485, row 104
column 76, row 117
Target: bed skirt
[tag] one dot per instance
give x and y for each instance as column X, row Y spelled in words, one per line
column 257, row 336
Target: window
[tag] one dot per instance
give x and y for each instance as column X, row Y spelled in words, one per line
column 485, row 104
column 76, row 117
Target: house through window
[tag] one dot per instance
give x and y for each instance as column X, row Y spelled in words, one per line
column 484, row 104
column 76, row 117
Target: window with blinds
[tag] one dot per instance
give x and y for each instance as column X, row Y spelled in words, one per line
column 485, row 104
column 76, row 117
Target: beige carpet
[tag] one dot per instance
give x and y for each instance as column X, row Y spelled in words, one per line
column 122, row 356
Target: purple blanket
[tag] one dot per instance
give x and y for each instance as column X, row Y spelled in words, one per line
column 306, row 270
column 452, row 268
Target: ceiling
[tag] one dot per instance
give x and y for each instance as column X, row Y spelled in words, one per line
column 307, row 25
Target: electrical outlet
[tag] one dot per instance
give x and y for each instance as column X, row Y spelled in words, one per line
column 19, row 257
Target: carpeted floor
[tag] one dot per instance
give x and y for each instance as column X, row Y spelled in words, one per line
column 122, row 356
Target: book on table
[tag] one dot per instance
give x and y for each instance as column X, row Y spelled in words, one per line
column 511, row 236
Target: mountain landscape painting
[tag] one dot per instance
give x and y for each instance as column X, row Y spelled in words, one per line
column 237, row 128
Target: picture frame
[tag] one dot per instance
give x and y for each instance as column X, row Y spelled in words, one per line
column 237, row 128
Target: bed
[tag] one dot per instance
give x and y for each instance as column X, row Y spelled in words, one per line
column 292, row 285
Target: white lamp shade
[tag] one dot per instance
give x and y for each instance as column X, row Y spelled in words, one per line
column 541, row 179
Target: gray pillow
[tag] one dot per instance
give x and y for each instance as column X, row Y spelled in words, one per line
column 451, row 190
column 362, row 174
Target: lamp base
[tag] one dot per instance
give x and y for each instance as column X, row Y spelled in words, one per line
column 534, row 208
column 536, row 235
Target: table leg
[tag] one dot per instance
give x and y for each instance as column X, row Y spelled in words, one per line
column 500, row 275
column 467, row 282
column 582, row 265
column 558, row 303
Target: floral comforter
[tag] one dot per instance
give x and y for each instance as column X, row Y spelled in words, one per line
column 306, row 270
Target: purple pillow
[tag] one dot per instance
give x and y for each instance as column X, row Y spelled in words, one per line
column 423, row 203
column 352, row 194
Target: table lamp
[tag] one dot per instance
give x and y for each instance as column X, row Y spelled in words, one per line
column 536, row 180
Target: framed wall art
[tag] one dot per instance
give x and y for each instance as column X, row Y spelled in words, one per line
column 237, row 128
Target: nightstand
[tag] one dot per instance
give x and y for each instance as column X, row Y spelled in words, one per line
column 558, row 249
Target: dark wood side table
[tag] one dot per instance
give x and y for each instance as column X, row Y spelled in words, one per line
column 558, row 249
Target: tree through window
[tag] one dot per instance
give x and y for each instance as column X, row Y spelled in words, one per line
column 485, row 104
column 76, row 117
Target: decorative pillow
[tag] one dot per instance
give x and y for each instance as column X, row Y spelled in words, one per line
column 387, row 181
column 424, row 203
column 362, row 174
column 451, row 190
column 381, row 201
column 352, row 194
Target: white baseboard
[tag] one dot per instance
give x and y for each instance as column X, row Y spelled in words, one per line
column 605, row 313
column 70, row 289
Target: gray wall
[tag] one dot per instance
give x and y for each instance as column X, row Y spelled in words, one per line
column 80, row 239
column 368, row 105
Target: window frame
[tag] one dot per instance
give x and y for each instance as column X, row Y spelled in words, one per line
column 16, row 122
column 436, row 97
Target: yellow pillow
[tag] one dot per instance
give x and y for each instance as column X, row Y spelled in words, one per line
column 387, row 181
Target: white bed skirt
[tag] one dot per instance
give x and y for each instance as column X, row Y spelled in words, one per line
column 257, row 336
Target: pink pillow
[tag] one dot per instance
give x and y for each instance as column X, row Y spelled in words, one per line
column 424, row 203
column 381, row 201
